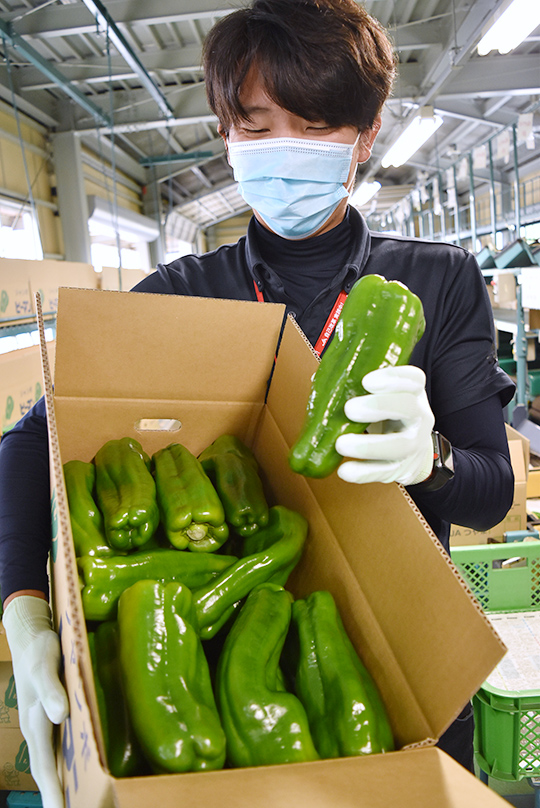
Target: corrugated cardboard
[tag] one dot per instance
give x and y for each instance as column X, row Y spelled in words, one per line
column 533, row 483
column 9, row 713
column 5, row 654
column 122, row 358
column 14, row 762
column 15, row 296
column 47, row 276
column 110, row 278
column 20, row 279
column 516, row 518
column 21, row 383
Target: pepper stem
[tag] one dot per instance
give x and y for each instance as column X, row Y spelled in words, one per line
column 196, row 532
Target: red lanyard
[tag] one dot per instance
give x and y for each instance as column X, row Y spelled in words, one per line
column 330, row 324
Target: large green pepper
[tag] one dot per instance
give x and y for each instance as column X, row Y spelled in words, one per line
column 233, row 469
column 273, row 551
column 263, row 723
column 380, row 323
column 191, row 511
column 166, row 679
column 104, row 579
column 86, row 519
column 124, row 755
column 345, row 711
column 126, row 493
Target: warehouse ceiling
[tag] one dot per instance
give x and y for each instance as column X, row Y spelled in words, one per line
column 125, row 75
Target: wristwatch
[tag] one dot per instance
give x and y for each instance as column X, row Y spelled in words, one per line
column 443, row 465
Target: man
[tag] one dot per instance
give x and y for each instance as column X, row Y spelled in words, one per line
column 298, row 87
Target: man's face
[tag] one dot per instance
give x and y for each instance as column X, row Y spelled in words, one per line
column 269, row 120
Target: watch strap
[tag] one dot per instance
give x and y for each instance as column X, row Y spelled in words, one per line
column 443, row 465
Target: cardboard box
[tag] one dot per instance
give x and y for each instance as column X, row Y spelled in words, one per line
column 9, row 712
column 47, row 276
column 110, row 281
column 504, row 290
column 533, row 483
column 20, row 279
column 516, row 518
column 15, row 295
column 123, row 359
column 14, row 762
column 21, row 383
column 5, row 654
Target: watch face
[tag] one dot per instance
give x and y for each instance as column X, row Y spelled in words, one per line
column 442, row 449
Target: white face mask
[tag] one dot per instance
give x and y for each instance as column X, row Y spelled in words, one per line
column 294, row 184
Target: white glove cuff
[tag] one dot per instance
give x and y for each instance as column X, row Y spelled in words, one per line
column 24, row 618
column 426, row 468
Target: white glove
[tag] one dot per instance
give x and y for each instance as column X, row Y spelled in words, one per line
column 404, row 452
column 41, row 698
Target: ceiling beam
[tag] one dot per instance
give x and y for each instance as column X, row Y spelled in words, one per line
column 489, row 76
column 95, row 70
column 48, row 69
column 38, row 112
column 72, row 19
column 109, row 26
column 133, row 112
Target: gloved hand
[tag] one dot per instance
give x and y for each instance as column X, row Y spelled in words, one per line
column 41, row 698
column 403, row 453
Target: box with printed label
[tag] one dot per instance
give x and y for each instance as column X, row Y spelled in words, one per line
column 9, row 713
column 45, row 277
column 126, row 362
column 21, row 383
column 15, row 294
column 14, row 761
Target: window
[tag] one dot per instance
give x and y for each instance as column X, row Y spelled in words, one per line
column 19, row 233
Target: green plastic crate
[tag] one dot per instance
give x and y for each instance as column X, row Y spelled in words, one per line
column 533, row 378
column 505, row 578
column 508, row 364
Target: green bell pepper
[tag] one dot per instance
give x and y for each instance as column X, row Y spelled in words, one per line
column 191, row 512
column 124, row 755
column 264, row 724
column 104, row 579
column 126, row 493
column 86, row 519
column 166, row 679
column 380, row 324
column 233, row 469
column 272, row 554
column 345, row 711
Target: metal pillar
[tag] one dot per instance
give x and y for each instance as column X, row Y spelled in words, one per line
column 517, row 200
column 152, row 206
column 431, row 217
column 72, row 204
column 492, row 197
column 443, row 210
column 457, row 222
column 472, row 203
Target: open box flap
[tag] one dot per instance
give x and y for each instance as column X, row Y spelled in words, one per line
column 419, row 601
column 236, row 344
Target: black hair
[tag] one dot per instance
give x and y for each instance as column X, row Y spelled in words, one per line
column 324, row 60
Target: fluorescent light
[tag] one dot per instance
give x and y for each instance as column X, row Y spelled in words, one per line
column 512, row 27
column 412, row 138
column 365, row 192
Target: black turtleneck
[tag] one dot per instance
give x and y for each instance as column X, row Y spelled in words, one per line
column 307, row 266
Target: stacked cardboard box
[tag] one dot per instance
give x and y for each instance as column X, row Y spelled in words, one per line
column 14, row 761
